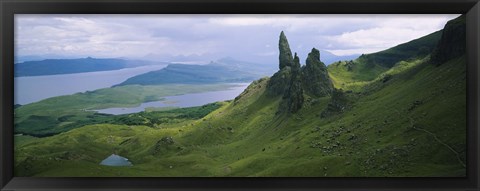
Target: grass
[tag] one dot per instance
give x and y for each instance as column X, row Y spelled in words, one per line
column 383, row 133
column 353, row 75
column 60, row 114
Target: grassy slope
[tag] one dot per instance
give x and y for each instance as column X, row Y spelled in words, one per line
column 356, row 77
column 410, row 125
column 63, row 113
column 352, row 75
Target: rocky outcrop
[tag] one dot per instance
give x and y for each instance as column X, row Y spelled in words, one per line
column 163, row 144
column 453, row 41
column 338, row 104
column 279, row 81
column 315, row 76
column 291, row 80
column 294, row 96
column 285, row 57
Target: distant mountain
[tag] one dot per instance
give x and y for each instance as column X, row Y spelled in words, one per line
column 252, row 67
column 70, row 66
column 184, row 59
column 223, row 70
column 329, row 58
column 26, row 58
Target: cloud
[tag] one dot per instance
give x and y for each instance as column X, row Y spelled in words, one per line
column 241, row 36
column 354, row 51
column 242, row 21
column 377, row 37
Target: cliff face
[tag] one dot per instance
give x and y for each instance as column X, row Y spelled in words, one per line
column 292, row 80
column 453, row 41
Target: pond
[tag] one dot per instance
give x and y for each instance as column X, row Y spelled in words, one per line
column 116, row 160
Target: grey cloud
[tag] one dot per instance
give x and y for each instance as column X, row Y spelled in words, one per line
column 206, row 36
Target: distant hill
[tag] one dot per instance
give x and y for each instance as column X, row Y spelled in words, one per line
column 414, row 49
column 70, row 66
column 369, row 66
column 329, row 58
column 252, row 67
column 223, row 70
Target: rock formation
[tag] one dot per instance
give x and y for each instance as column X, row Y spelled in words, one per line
column 338, row 103
column 294, row 95
column 315, row 76
column 453, row 41
column 291, row 80
column 279, row 81
column 285, row 57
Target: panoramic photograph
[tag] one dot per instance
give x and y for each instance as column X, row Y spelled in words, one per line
column 240, row 95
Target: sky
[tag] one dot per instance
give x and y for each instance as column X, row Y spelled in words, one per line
column 199, row 38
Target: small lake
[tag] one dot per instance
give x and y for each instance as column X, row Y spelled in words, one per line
column 185, row 100
column 35, row 88
column 116, row 160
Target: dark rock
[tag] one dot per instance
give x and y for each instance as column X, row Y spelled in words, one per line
column 292, row 80
column 315, row 76
column 294, row 95
column 386, row 78
column 352, row 137
column 285, row 56
column 163, row 143
column 279, row 81
column 338, row 104
column 415, row 104
column 453, row 41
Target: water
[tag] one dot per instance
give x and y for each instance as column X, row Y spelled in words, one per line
column 116, row 160
column 35, row 88
column 185, row 100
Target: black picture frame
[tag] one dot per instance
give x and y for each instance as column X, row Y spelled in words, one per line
column 10, row 7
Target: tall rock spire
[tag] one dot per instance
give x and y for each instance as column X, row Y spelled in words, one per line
column 285, row 57
column 315, row 76
column 293, row 80
column 294, row 94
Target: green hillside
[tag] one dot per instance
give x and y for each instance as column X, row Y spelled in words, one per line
column 353, row 74
column 246, row 138
column 64, row 113
column 404, row 120
column 226, row 70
